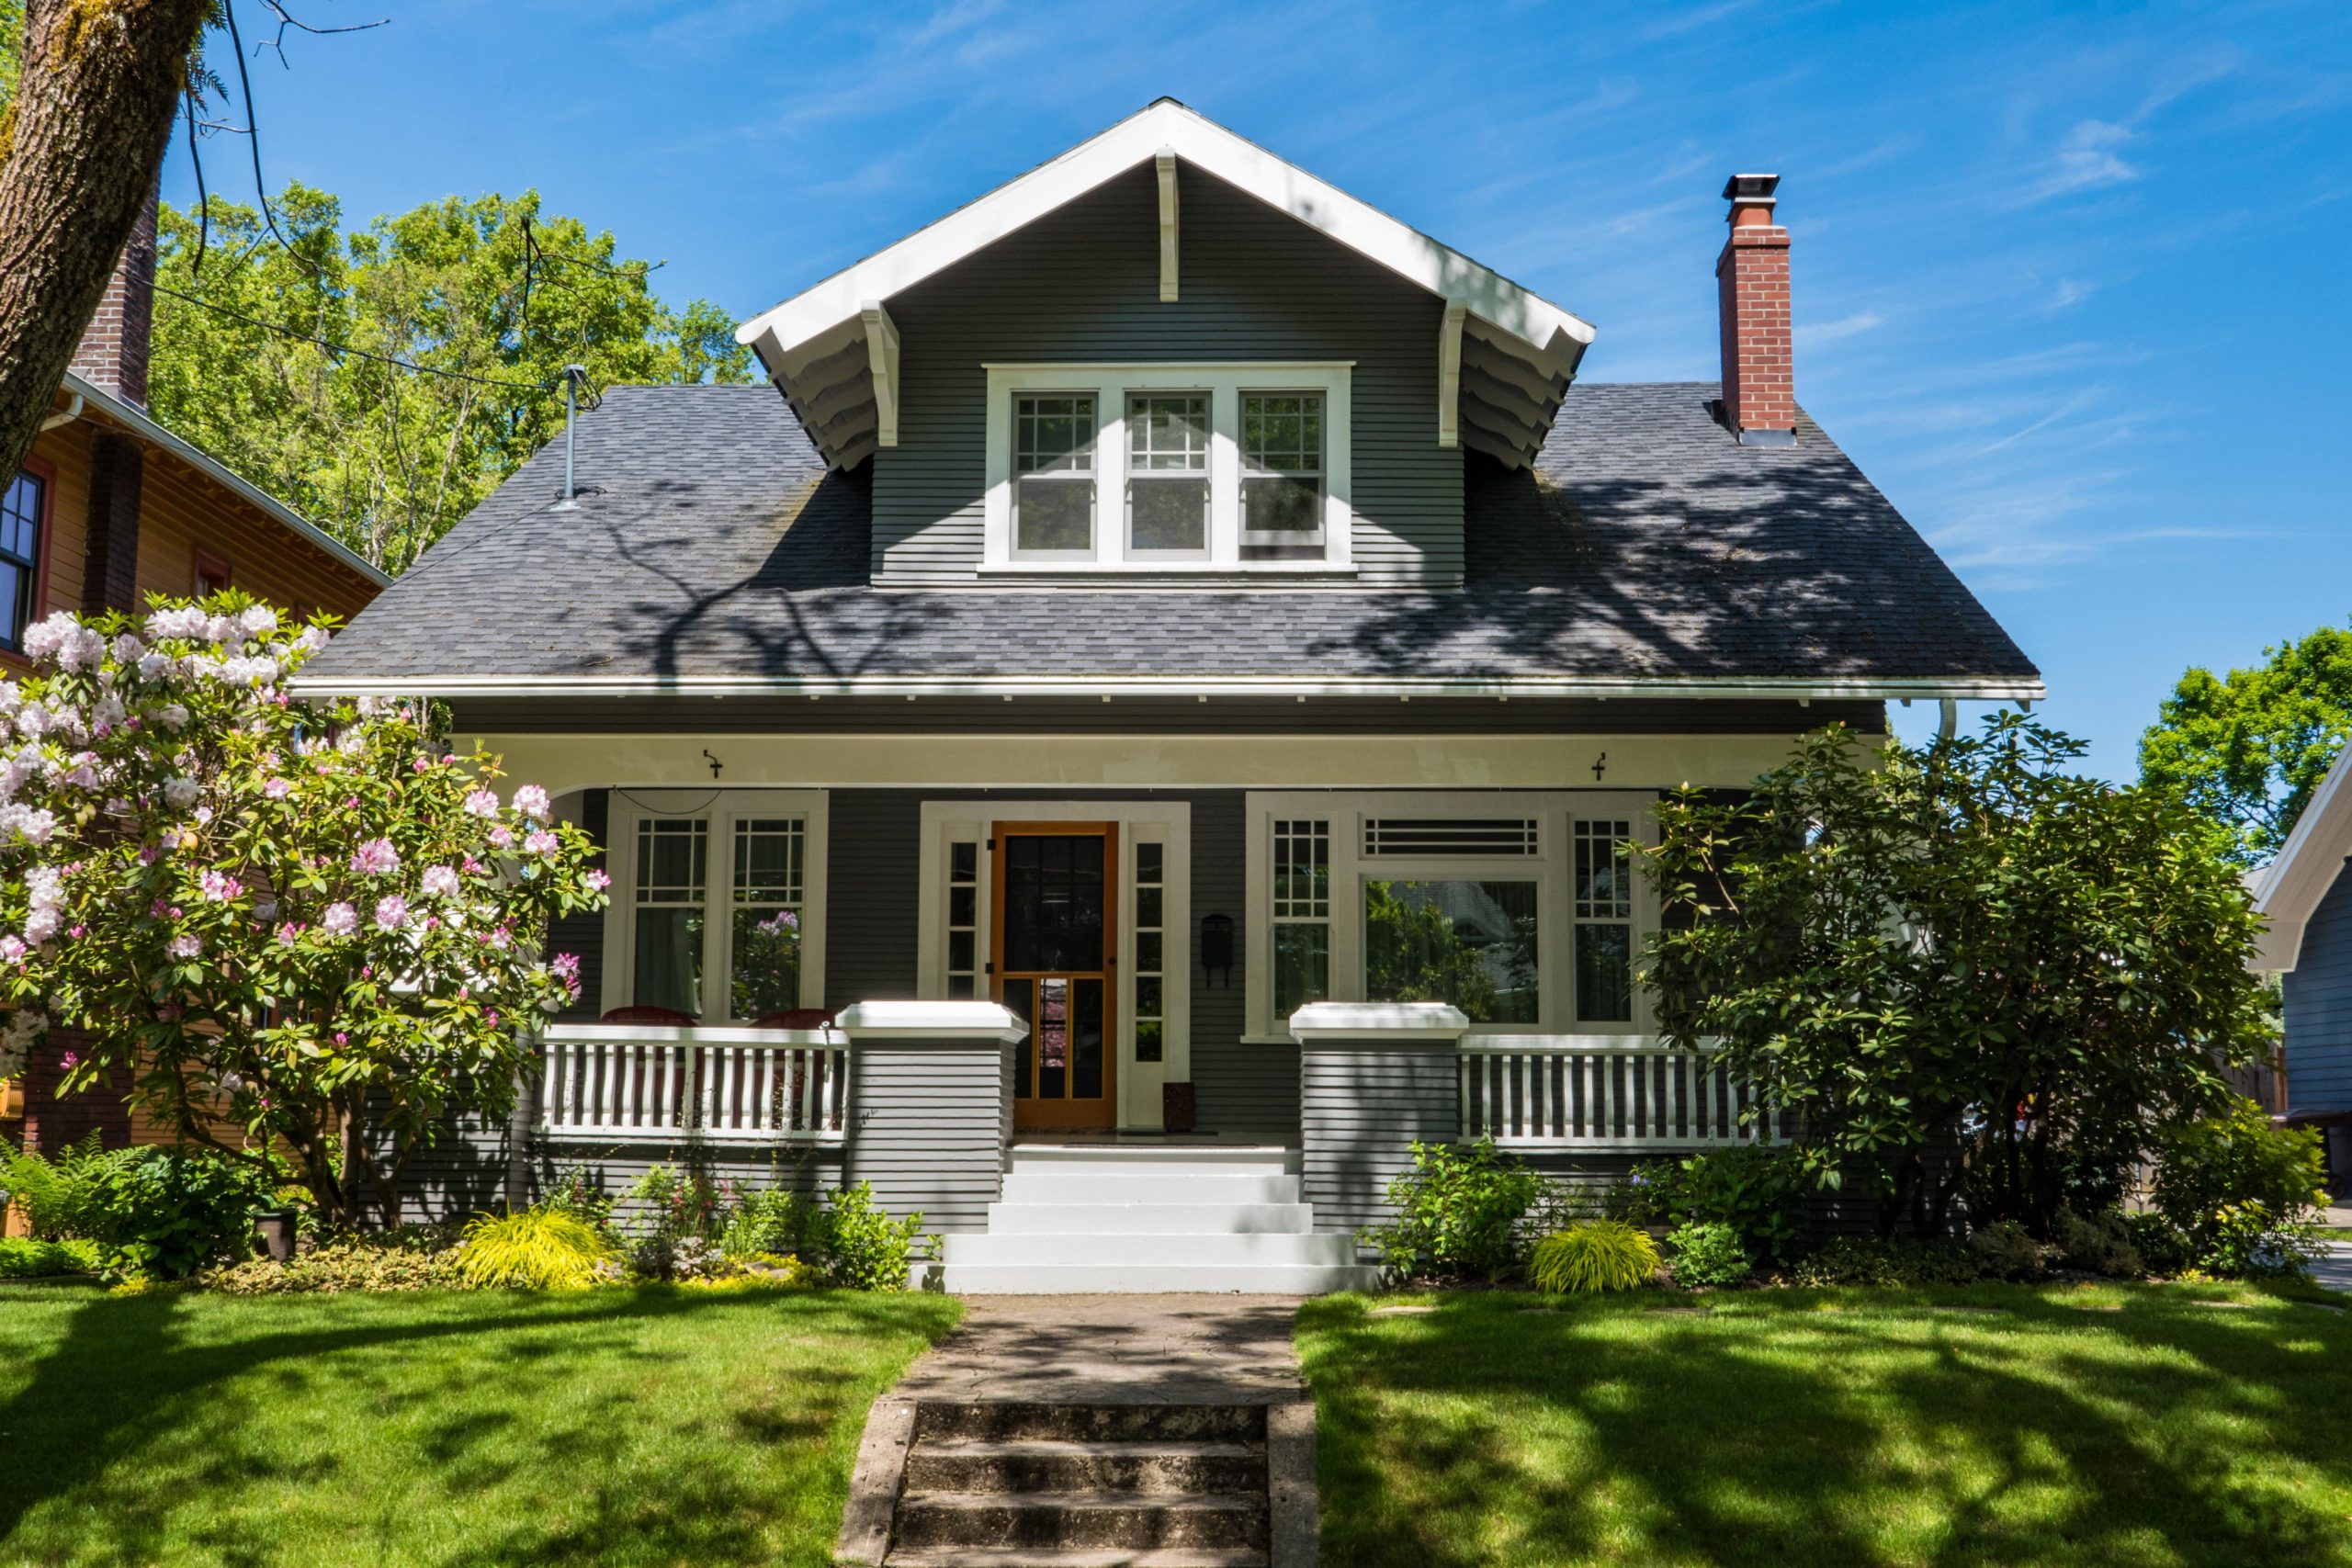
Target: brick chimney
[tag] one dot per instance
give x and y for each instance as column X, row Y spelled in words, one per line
column 112, row 355
column 1759, row 403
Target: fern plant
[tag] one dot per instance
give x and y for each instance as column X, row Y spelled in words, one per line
column 1598, row 1255
column 538, row 1249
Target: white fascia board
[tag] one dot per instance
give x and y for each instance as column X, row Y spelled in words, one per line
column 1829, row 688
column 2288, row 890
column 1555, row 338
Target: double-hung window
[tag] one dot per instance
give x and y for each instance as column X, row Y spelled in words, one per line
column 1182, row 470
column 720, row 917
column 1523, row 909
column 23, row 509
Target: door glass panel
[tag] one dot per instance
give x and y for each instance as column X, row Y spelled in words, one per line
column 1020, row 1001
column 1052, row 1035
column 1053, row 893
column 1085, row 1038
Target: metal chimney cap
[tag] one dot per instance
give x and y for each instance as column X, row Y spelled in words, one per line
column 1751, row 190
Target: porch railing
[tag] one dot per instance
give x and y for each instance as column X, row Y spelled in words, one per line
column 1601, row 1093
column 640, row 1083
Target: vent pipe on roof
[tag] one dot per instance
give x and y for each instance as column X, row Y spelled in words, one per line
column 572, row 375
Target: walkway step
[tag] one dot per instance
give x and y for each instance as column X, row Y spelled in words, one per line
column 1040, row 1421
column 1149, row 1218
column 1081, row 1557
column 1145, row 1468
column 935, row 1519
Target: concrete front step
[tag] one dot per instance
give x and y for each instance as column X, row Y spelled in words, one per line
column 1034, row 1465
column 929, row 1521
column 1081, row 1557
column 1151, row 1219
column 1124, row 1186
column 1182, row 1159
column 1113, row 1250
column 1014, row 1421
column 1156, row 1279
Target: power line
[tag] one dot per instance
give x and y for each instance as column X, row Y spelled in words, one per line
column 346, row 348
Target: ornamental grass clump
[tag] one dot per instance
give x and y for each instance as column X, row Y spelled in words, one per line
column 1598, row 1255
column 538, row 1249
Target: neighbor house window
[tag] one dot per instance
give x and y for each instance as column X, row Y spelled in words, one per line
column 211, row 574
column 23, row 510
column 1282, row 468
column 721, row 921
column 1053, row 487
column 1168, row 474
column 1198, row 468
column 1522, row 909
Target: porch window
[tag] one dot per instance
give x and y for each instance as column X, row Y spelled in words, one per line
column 1471, row 943
column 23, row 507
column 1302, row 913
column 1282, row 468
column 1053, row 490
column 722, row 922
column 673, row 887
column 962, row 918
column 1603, row 897
column 1151, row 950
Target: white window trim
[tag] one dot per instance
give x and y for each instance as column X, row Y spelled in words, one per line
column 1551, row 869
column 724, row 808
column 1224, row 384
column 1167, row 822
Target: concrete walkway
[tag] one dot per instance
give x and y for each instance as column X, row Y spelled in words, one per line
column 1122, row 1349
column 2334, row 1269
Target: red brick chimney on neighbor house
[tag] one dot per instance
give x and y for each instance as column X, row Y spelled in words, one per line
column 1759, row 402
column 112, row 355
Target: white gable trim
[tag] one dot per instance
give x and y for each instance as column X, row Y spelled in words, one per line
column 1541, row 330
column 2287, row 891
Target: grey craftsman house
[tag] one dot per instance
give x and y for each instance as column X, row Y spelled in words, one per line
column 1141, row 719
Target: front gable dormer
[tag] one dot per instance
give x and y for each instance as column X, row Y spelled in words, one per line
column 1168, row 355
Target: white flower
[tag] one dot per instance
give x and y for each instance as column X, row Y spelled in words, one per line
column 482, row 803
column 180, row 793
column 31, row 824
column 185, row 621
column 340, row 920
column 313, row 639
column 532, row 800
column 128, row 649
column 258, row 621
column 221, row 628
column 155, row 666
column 189, row 945
column 172, row 716
column 376, row 858
column 441, row 881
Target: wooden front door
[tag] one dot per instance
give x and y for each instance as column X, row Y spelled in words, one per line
column 1056, row 955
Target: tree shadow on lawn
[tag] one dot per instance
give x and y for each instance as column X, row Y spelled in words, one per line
column 167, row 1430
column 1883, row 1433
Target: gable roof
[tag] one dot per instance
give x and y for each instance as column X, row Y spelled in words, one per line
column 822, row 344
column 2287, row 891
column 1647, row 554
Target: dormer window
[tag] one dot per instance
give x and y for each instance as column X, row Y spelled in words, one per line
column 1169, row 469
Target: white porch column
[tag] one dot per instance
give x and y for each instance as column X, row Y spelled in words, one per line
column 1373, row 1079
column 929, row 1107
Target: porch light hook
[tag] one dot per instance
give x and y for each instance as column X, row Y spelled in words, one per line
column 712, row 761
column 1600, row 765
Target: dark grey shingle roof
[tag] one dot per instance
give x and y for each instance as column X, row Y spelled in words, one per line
column 1646, row 543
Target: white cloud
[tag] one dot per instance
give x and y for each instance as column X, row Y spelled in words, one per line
column 1811, row 334
column 2086, row 159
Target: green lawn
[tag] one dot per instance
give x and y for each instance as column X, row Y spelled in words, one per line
column 651, row 1425
column 2116, row 1426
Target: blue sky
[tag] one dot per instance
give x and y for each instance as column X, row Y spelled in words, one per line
column 2070, row 281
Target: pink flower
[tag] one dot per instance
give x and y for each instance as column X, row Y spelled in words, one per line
column 376, row 858
column 391, row 912
column 341, row 1038
column 12, row 948
column 441, row 881
column 219, row 888
column 532, row 800
column 70, row 1060
column 539, row 841
column 501, row 836
column 189, row 946
column 340, row 920
column 287, row 933
column 277, row 789
column 597, row 880
column 482, row 803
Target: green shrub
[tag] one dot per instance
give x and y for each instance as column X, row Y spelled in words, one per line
column 1707, row 1255
column 2240, row 1190
column 2007, row 1251
column 1898, row 1263
column 2164, row 1247
column 1758, row 1191
column 1459, row 1213
column 579, row 1194
column 164, row 1214
column 22, row 1257
column 861, row 1247
column 777, row 1221
column 2101, row 1244
column 1598, row 1255
column 411, row 1258
column 538, row 1249
column 60, row 1195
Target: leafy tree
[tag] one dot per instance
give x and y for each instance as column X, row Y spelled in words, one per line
column 2250, row 747
column 1959, row 966
column 314, row 922
column 284, row 370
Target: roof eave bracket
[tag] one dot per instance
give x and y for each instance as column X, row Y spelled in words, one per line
column 882, row 360
column 1165, row 161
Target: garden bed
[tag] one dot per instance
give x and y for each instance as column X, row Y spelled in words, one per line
column 2019, row 1424
column 643, row 1425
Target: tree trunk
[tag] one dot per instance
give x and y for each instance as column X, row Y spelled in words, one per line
column 80, row 149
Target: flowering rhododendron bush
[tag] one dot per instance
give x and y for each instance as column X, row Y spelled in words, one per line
column 310, row 918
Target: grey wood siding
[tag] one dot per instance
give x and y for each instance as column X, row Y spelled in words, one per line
column 1083, row 284
column 2319, row 1007
column 1361, row 1107
column 1236, row 1087
column 928, row 1128
column 465, row 1172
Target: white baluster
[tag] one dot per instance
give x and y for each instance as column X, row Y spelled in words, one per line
column 706, row 1073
